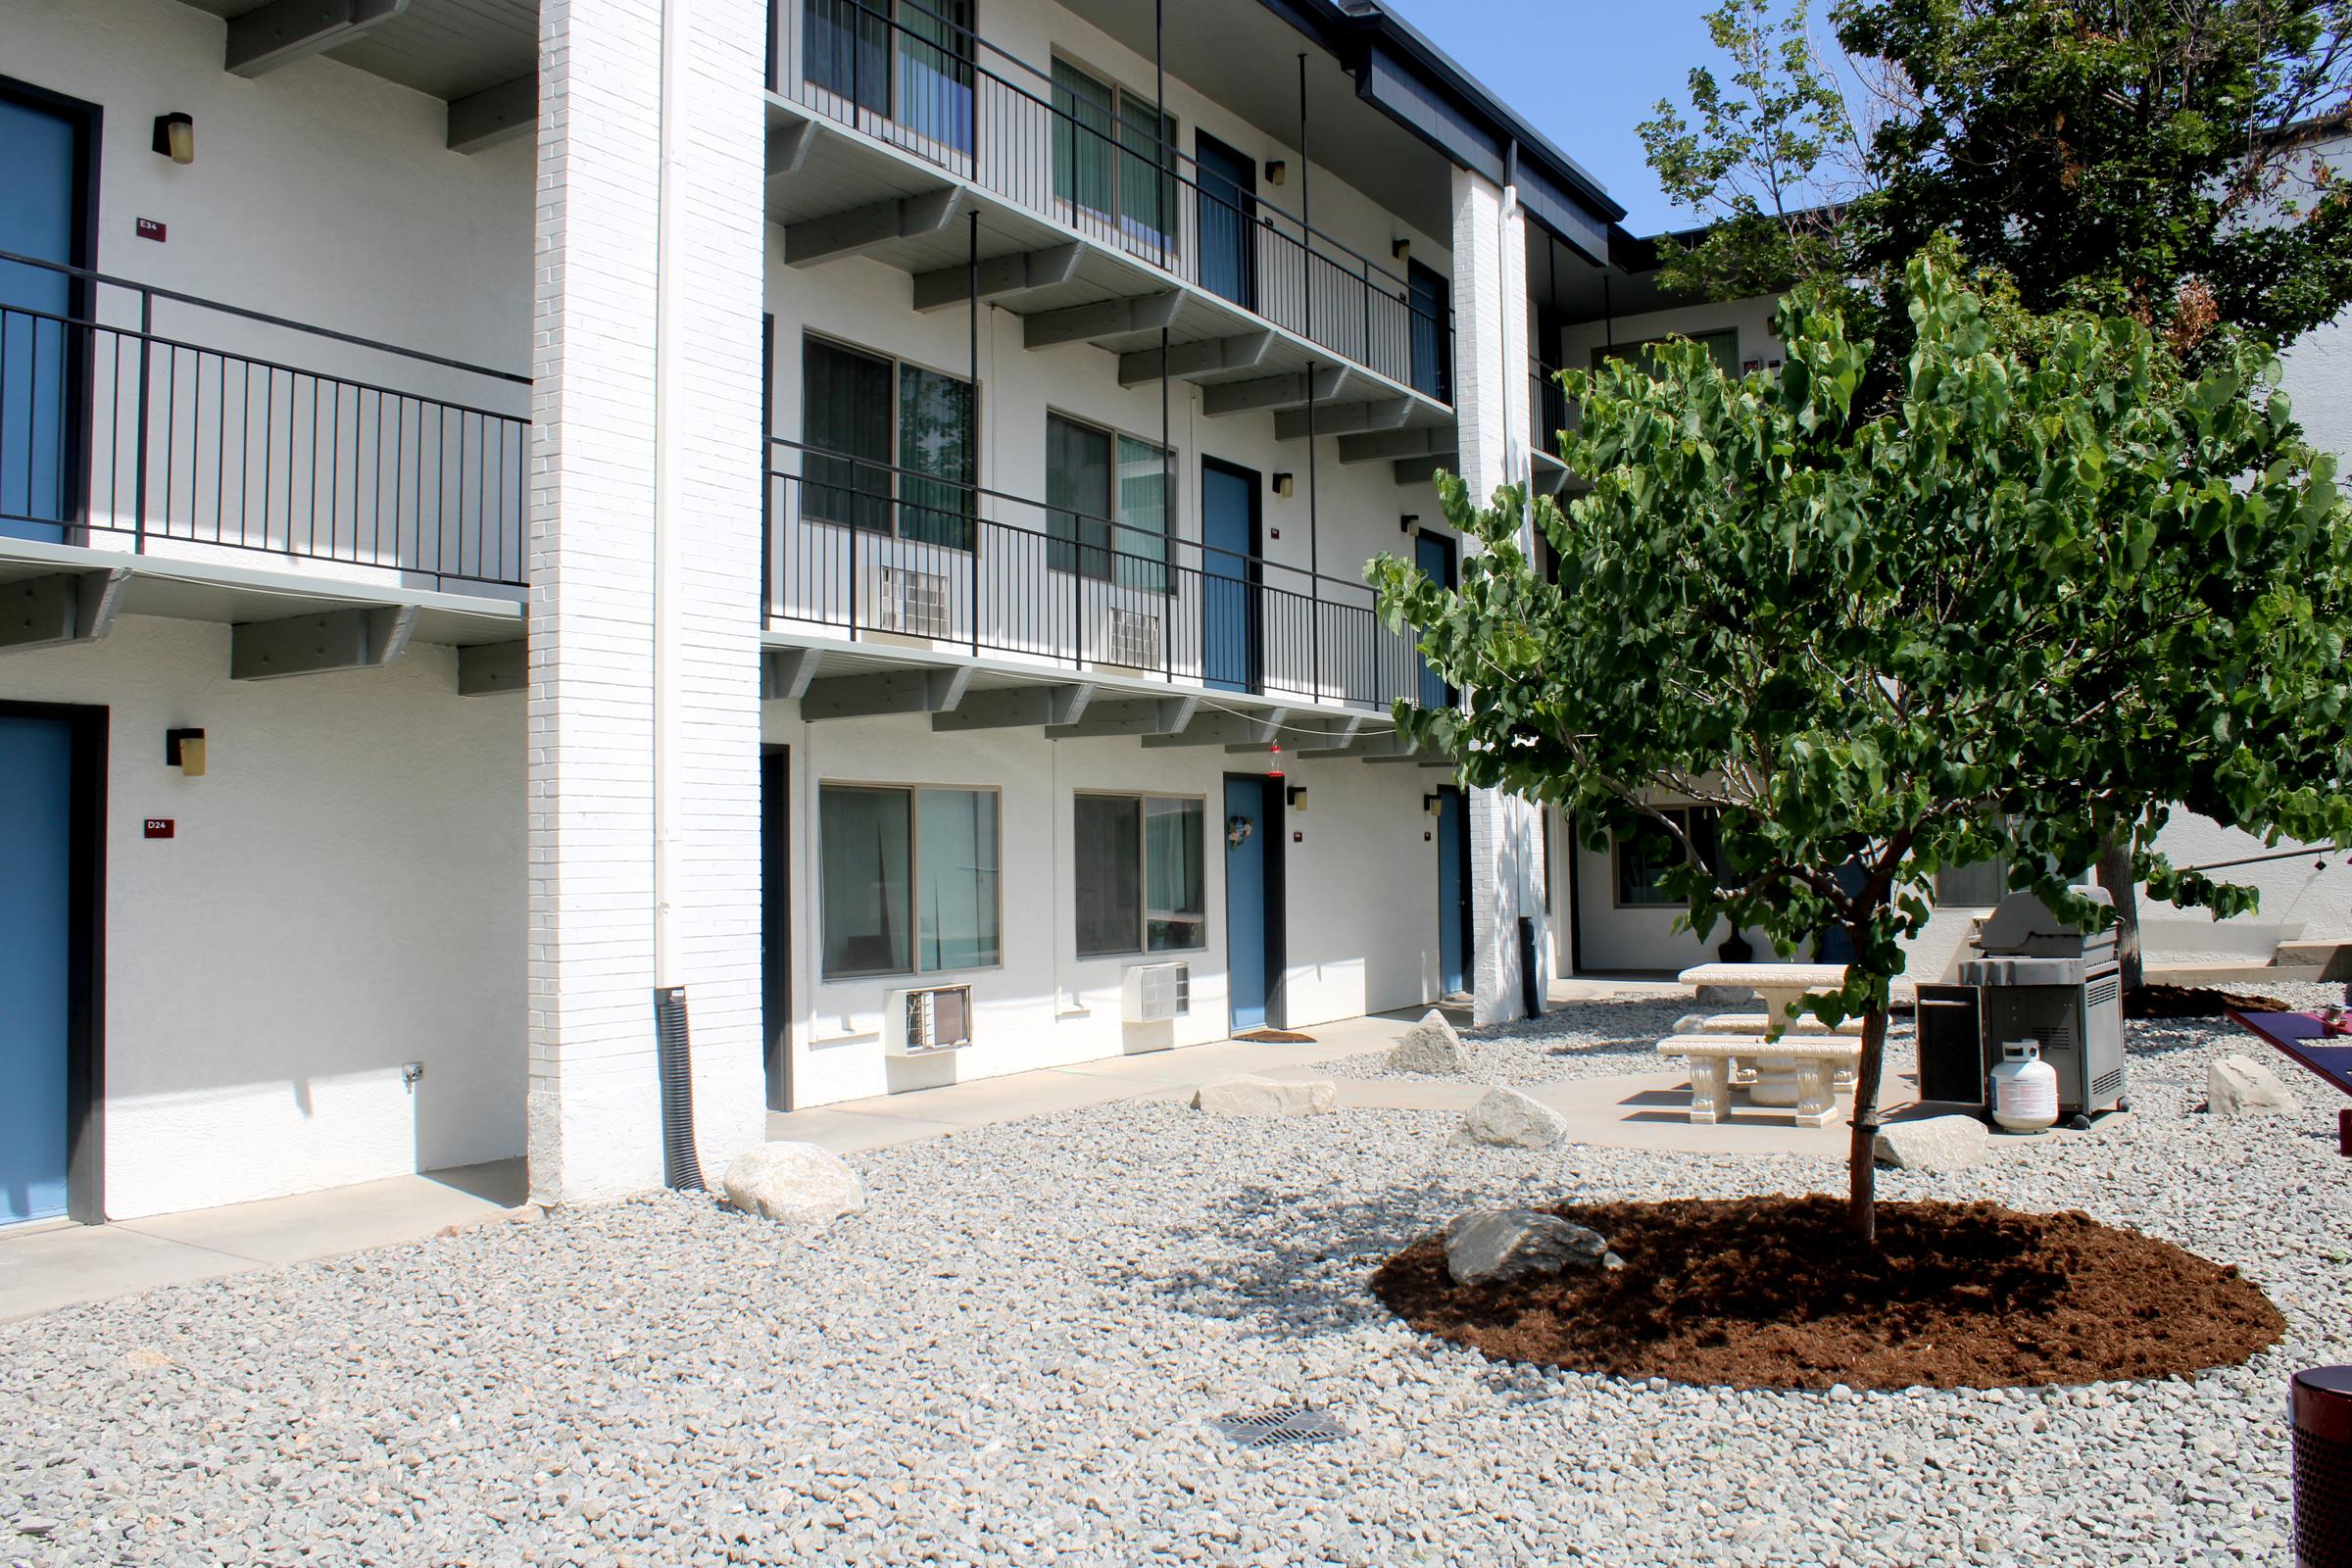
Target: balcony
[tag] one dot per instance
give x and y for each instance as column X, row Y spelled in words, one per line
column 210, row 437
column 925, row 569
column 1090, row 214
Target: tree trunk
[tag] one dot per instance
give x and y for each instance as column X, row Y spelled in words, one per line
column 1862, row 1171
column 2115, row 875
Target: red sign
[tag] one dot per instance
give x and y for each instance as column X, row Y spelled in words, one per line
column 159, row 827
column 151, row 228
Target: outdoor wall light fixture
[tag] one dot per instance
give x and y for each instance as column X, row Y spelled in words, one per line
column 1409, row 523
column 1402, row 249
column 176, row 137
column 183, row 749
column 1434, row 805
column 1283, row 485
column 1297, row 795
column 1277, row 172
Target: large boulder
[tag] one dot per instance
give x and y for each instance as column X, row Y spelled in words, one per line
column 797, row 1184
column 1242, row 1095
column 2240, row 1086
column 1489, row 1245
column 1932, row 1143
column 1430, row 1045
column 1505, row 1118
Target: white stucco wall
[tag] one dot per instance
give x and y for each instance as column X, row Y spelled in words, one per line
column 1359, row 874
column 343, row 893
column 321, row 194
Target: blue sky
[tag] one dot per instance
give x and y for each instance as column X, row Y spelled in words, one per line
column 1583, row 71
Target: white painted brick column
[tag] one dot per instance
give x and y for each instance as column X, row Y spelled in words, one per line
column 1492, row 401
column 593, row 1110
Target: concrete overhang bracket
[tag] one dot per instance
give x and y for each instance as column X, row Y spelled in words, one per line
column 1104, row 319
column 1013, row 707
column 66, row 607
column 311, row 645
column 286, row 31
column 859, row 230
column 486, row 669
column 900, row 691
column 1000, row 277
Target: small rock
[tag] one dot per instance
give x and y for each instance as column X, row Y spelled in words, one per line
column 34, row 1525
column 1932, row 1143
column 1508, row 1119
column 1242, row 1095
column 1430, row 1045
column 1488, row 1244
column 2240, row 1086
column 795, row 1184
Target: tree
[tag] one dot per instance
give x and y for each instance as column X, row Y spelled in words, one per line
column 2148, row 157
column 1878, row 643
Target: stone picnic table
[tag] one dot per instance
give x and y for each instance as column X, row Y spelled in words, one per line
column 1798, row 1065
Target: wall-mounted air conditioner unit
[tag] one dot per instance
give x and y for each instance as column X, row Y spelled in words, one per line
column 1151, row 993
column 1129, row 638
column 923, row 1023
column 912, row 603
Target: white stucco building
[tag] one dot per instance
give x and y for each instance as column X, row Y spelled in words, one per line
column 848, row 517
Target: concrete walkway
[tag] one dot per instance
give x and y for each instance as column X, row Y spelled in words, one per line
column 48, row 1266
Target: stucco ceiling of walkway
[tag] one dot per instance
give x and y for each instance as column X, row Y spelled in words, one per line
column 448, row 48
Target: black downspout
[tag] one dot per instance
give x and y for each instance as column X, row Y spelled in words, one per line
column 681, row 1167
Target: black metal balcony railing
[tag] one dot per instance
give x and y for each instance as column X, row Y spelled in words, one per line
column 221, row 426
column 874, row 549
column 1096, row 164
column 1548, row 402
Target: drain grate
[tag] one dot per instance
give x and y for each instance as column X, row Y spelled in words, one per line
column 1280, row 1429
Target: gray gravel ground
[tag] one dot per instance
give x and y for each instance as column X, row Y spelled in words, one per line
column 1009, row 1357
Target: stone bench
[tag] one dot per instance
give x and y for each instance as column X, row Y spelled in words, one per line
column 1756, row 1025
column 1814, row 1059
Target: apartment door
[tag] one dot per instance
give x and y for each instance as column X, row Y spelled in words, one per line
column 775, row 922
column 1253, row 924
column 1230, row 635
column 1228, row 221
column 43, row 206
column 1433, row 553
column 1431, row 301
column 36, row 907
column 1453, row 891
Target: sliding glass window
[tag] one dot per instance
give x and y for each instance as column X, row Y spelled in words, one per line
column 860, row 415
column 1106, row 161
column 909, row 879
column 1139, row 874
column 908, row 62
column 1106, row 496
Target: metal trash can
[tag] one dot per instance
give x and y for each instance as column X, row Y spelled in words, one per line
column 2319, row 1404
column 2033, row 977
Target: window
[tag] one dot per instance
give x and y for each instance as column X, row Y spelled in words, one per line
column 1982, row 885
column 1139, row 882
column 1106, row 496
column 909, row 879
column 1107, row 159
column 1723, row 345
column 861, row 416
column 1646, row 853
column 849, row 46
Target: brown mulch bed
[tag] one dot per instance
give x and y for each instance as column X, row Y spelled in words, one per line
column 1772, row 1293
column 2192, row 1001
column 1277, row 1037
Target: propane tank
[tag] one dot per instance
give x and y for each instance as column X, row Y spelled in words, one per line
column 2025, row 1088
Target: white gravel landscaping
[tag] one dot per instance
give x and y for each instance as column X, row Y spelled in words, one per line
column 1009, row 1355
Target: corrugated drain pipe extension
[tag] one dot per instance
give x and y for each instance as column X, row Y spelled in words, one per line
column 681, row 1167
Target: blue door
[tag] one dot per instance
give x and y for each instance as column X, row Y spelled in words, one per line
column 40, row 216
column 1429, row 299
column 1228, row 222
column 36, row 761
column 1434, row 555
column 1453, row 893
column 1229, row 628
column 1248, row 831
